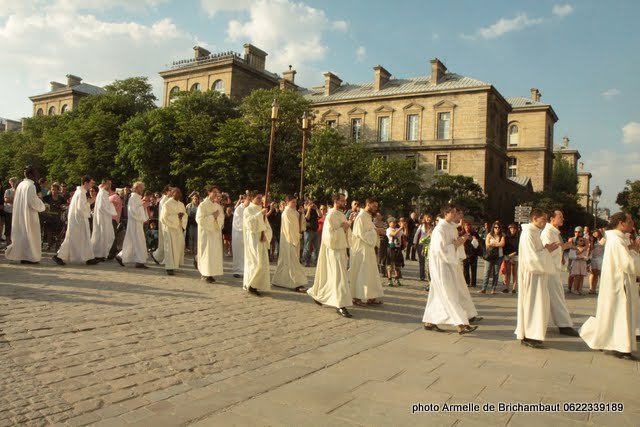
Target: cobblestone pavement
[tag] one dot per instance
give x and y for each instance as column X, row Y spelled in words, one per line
column 108, row 345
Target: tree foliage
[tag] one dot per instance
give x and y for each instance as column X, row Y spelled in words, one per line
column 394, row 182
column 629, row 199
column 458, row 189
column 565, row 177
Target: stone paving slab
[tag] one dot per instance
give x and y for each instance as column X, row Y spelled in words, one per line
column 107, row 345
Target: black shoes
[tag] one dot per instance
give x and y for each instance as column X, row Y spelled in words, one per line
column 343, row 312
column 25, row 261
column 569, row 331
column 101, row 259
column 237, row 276
column 208, row 279
column 170, row 273
column 140, row 265
column 254, row 291
column 475, row 319
column 58, row 260
column 93, row 261
column 120, row 261
column 195, row 264
column 434, row 328
column 620, row 355
column 532, row 343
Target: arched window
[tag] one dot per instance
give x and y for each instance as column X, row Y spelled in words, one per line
column 39, row 112
column 172, row 93
column 196, row 87
column 218, row 85
column 64, row 109
column 513, row 135
column 52, row 111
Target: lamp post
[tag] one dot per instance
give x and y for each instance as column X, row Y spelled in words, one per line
column 274, row 117
column 305, row 128
column 595, row 199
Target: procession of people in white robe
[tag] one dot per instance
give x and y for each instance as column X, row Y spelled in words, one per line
column 290, row 272
column 26, row 224
column 103, row 234
column 210, row 220
column 257, row 235
column 364, row 275
column 76, row 247
column 174, row 223
column 134, row 247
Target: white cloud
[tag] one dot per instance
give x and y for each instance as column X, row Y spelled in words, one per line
column 609, row 94
column 503, row 26
column 340, row 25
column 44, row 43
column 562, row 10
column 631, row 133
column 291, row 33
column 610, row 169
column 361, row 53
column 211, row 7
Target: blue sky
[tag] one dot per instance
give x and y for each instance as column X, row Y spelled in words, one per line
column 582, row 55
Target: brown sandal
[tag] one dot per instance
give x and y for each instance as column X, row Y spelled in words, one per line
column 300, row 289
column 374, row 301
column 467, row 329
column 359, row 302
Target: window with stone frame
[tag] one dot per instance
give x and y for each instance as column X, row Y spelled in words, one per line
column 512, row 167
column 40, row 112
column 356, row 129
column 218, row 86
column 384, row 128
column 442, row 163
column 444, row 125
column 514, row 135
column 332, row 123
column 52, row 111
column 64, row 109
column 413, row 159
column 172, row 94
column 196, row 87
column 412, row 127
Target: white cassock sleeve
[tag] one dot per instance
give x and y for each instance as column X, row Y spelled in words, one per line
column 291, row 226
column 366, row 232
column 447, row 250
column 204, row 219
column 34, row 201
column 532, row 255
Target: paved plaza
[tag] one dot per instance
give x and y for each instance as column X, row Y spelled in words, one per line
column 107, row 345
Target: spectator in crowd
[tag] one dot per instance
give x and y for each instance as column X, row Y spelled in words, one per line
column 192, row 226
column 8, row 208
column 44, row 187
column 226, row 230
column 381, row 228
column 420, row 242
column 352, row 213
column 511, row 242
column 571, row 256
column 323, row 214
column 472, row 250
column 412, row 225
column 311, row 244
column 52, row 218
column 63, row 190
column 494, row 243
column 151, row 236
column 597, row 253
column 395, row 260
column 579, row 265
column 274, row 216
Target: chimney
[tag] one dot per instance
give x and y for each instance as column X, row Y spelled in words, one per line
column 200, row 52
column 380, row 78
column 438, row 70
column 535, row 94
column 254, row 56
column 289, row 75
column 565, row 141
column 73, row 80
column 331, row 83
column 56, row 86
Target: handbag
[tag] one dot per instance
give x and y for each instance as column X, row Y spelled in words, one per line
column 491, row 254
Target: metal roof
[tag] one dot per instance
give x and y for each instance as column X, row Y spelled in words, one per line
column 521, row 101
column 84, row 88
column 521, row 180
column 421, row 84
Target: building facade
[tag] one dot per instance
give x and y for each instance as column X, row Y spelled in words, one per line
column 572, row 156
column 63, row 97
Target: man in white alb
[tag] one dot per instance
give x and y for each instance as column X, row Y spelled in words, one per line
column 257, row 238
column 158, row 255
column 134, row 246
column 237, row 237
column 174, row 219
column 210, row 219
column 289, row 272
column 103, row 213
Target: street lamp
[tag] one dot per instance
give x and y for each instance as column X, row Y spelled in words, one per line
column 274, row 117
column 305, row 128
column 595, row 199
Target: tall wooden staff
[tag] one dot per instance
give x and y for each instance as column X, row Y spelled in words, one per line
column 305, row 127
column 274, row 117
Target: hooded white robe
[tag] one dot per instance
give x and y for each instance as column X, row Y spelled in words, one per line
column 210, row 238
column 103, row 234
column 615, row 324
column 158, row 254
column 76, row 247
column 256, row 252
column 364, row 275
column 331, row 283
column 237, row 239
column 134, row 246
column 174, row 227
column 289, row 272
column 25, row 224
column 535, row 268
column 559, row 311
column 449, row 301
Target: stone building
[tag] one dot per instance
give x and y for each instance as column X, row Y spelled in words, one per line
column 530, row 140
column 8, row 125
column 63, row 97
column 572, row 156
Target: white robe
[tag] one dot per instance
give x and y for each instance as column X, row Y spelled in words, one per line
column 331, row 283
column 256, row 253
column 25, row 224
column 174, row 227
column 76, row 247
column 103, row 234
column 210, row 238
column 559, row 311
column 449, row 301
column 237, row 239
column 158, row 254
column 535, row 268
column 289, row 272
column 134, row 247
column 364, row 275
column 615, row 324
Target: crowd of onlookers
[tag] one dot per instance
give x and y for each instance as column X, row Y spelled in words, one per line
column 401, row 239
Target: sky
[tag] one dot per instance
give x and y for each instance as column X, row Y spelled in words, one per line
column 582, row 55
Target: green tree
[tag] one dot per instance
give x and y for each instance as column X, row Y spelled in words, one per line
column 457, row 189
column 565, row 177
column 629, row 199
column 332, row 163
column 393, row 182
